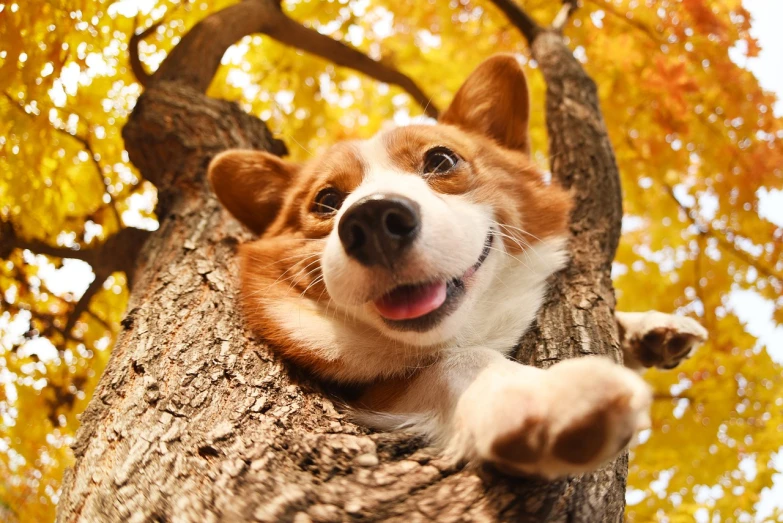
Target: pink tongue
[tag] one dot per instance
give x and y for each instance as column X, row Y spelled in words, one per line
column 411, row 301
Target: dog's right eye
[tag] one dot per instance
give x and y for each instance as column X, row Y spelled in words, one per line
column 328, row 201
column 440, row 160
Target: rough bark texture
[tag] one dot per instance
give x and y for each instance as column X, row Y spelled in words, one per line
column 577, row 318
column 194, row 420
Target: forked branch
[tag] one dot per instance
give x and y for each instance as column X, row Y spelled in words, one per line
column 195, row 60
column 118, row 253
column 529, row 28
column 83, row 305
column 49, row 321
column 141, row 74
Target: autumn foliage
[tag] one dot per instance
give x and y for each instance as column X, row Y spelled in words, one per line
column 697, row 143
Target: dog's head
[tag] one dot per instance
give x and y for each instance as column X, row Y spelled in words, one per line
column 379, row 253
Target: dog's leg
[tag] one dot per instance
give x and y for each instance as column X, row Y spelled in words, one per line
column 484, row 407
column 655, row 339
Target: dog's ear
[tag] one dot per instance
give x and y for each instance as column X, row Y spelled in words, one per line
column 494, row 101
column 250, row 185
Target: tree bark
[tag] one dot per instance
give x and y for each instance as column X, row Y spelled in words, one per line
column 195, row 420
column 577, row 318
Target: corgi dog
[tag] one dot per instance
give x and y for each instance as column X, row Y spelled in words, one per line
column 411, row 264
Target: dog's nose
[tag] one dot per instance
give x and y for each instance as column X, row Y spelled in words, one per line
column 377, row 229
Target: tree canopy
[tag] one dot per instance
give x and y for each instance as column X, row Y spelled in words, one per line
column 697, row 145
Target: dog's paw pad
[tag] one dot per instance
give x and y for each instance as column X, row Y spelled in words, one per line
column 587, row 410
column 522, row 445
column 592, row 437
column 665, row 340
column 667, row 348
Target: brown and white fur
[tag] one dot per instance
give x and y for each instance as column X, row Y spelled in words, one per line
column 473, row 220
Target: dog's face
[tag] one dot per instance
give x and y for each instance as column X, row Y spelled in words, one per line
column 379, row 253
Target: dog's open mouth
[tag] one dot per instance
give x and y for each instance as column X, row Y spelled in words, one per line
column 421, row 306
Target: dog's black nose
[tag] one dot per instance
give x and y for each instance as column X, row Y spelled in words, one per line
column 377, row 229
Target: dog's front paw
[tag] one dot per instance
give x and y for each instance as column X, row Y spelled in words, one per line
column 655, row 339
column 593, row 409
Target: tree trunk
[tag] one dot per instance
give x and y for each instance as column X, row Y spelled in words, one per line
column 577, row 318
column 195, row 420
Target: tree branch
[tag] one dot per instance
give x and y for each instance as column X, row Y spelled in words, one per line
column 562, row 17
column 106, row 325
column 99, row 168
column 607, row 7
column 51, row 329
column 195, row 60
column 83, row 304
column 118, row 253
column 292, row 33
column 10, row 241
column 519, row 18
column 698, row 271
column 722, row 237
column 141, row 74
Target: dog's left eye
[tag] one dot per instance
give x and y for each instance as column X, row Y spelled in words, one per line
column 439, row 160
column 327, row 201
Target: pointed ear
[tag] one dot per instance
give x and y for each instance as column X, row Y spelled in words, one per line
column 250, row 185
column 494, row 101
